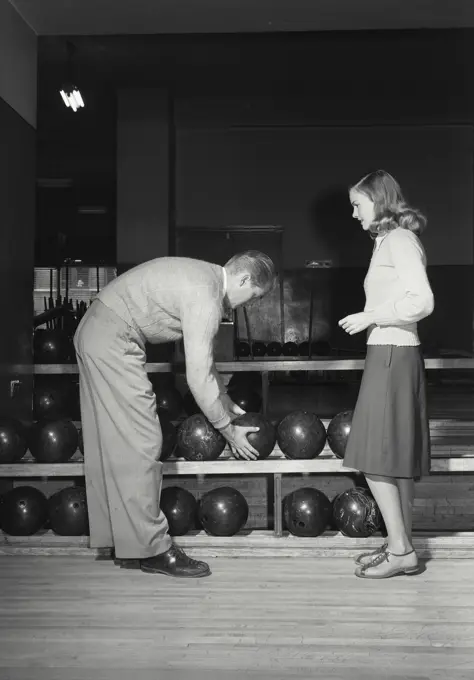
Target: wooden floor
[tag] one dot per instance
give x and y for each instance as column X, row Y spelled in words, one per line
column 73, row 618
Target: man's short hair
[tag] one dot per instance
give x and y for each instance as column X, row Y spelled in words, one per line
column 258, row 265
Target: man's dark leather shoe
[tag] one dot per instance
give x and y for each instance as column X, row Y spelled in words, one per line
column 173, row 562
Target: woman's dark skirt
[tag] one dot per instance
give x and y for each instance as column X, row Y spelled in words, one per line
column 390, row 430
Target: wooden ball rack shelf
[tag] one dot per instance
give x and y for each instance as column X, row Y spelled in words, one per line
column 452, row 453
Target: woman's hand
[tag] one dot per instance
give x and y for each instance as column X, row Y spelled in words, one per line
column 355, row 323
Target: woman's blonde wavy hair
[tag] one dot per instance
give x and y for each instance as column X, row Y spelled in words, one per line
column 391, row 209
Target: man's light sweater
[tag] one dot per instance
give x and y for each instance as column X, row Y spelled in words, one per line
column 397, row 290
column 170, row 298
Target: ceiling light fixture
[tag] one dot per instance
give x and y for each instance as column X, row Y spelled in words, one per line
column 69, row 92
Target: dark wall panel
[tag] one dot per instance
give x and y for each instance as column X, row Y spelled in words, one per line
column 298, row 178
column 17, row 198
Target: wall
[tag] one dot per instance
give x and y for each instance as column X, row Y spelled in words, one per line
column 240, row 93
column 17, row 198
column 297, row 177
column 18, row 63
column 142, row 176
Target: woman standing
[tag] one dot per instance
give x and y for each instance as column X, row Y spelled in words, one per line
column 389, row 439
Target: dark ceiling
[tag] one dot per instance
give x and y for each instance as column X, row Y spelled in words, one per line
column 124, row 17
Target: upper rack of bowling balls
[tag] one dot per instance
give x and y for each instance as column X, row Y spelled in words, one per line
column 52, row 344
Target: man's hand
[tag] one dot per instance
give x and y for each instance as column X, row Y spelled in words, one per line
column 231, row 407
column 355, row 323
column 238, row 442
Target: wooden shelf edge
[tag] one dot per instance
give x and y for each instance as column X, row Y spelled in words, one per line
column 286, row 364
column 253, row 544
column 230, row 466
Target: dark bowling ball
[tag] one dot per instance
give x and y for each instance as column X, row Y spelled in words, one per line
column 242, row 349
column 169, row 434
column 338, row 432
column 307, row 512
column 318, row 348
column 51, row 346
column 180, row 509
column 54, row 442
column 301, row 434
column 80, row 441
column 274, row 349
column 290, row 349
column 199, row 440
column 259, row 349
column 321, row 348
column 303, row 349
column 68, row 512
column 223, row 511
column 356, row 514
column 246, row 398
column 265, row 439
column 190, row 405
column 13, row 443
column 169, row 399
column 52, row 399
column 23, row 511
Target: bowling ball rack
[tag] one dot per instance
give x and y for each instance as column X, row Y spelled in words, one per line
column 275, row 541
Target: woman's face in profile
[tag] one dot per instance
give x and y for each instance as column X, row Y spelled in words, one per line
column 363, row 208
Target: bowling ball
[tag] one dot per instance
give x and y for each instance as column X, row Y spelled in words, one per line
column 301, row 434
column 199, row 440
column 13, row 444
column 23, row 511
column 223, row 511
column 52, row 399
column 80, row 441
column 265, row 439
column 51, row 346
column 180, row 509
column 54, row 441
column 190, row 405
column 290, row 349
column 246, row 398
column 303, row 349
column 274, row 349
column 307, row 512
column 356, row 514
column 68, row 512
column 169, row 399
column 321, row 348
column 242, row 349
column 259, row 349
column 169, row 434
column 338, row 432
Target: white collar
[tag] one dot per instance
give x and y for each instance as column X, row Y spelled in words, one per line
column 225, row 280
